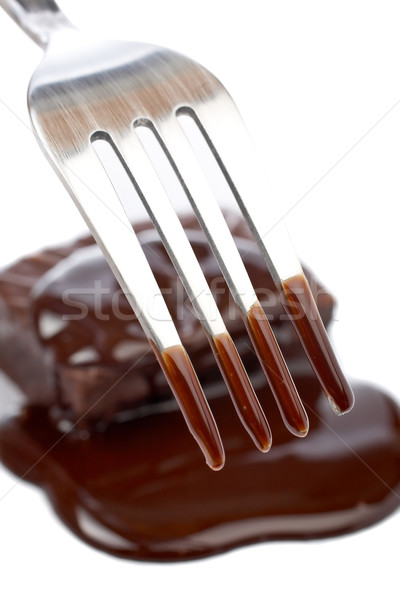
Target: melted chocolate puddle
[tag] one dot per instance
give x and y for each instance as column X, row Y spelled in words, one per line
column 140, row 489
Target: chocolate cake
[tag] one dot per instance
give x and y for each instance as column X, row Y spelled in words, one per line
column 68, row 333
column 101, row 434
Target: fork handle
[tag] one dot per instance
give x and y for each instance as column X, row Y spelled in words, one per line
column 38, row 18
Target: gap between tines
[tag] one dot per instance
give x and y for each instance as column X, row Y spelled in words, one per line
column 206, row 158
column 119, row 178
column 163, row 167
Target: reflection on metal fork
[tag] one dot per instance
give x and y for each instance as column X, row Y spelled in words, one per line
column 86, row 89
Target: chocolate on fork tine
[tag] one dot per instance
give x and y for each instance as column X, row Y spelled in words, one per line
column 67, row 124
column 110, row 226
column 210, row 216
column 86, row 88
column 239, row 163
column 139, row 168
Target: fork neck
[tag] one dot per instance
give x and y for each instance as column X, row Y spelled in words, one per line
column 38, row 18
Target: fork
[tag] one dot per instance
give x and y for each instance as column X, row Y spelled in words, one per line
column 86, row 89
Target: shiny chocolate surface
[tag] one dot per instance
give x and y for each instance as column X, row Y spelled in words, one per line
column 111, row 449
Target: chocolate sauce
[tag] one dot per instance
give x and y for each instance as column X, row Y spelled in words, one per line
column 140, row 488
column 312, row 334
column 180, row 375
column 100, row 433
column 244, row 398
column 277, row 373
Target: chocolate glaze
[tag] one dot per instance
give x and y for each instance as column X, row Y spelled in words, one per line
column 189, row 395
column 127, row 477
column 245, row 400
column 140, row 489
column 308, row 324
column 88, row 349
column 277, row 373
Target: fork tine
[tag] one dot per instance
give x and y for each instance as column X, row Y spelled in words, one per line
column 209, row 214
column 89, row 185
column 239, row 162
column 219, row 121
column 143, row 175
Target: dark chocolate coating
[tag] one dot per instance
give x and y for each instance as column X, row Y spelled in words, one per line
column 136, row 486
column 99, row 338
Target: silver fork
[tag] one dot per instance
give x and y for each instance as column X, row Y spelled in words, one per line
column 86, row 89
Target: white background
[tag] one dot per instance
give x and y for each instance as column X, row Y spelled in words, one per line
column 318, row 84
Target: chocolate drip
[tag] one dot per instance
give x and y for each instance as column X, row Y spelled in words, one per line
column 126, row 476
column 307, row 322
column 180, row 375
column 277, row 373
column 242, row 393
